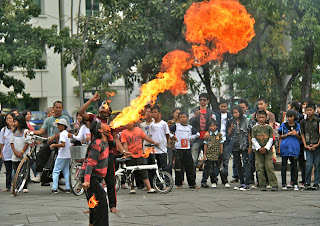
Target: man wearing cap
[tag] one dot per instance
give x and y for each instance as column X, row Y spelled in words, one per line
column 45, row 155
column 104, row 117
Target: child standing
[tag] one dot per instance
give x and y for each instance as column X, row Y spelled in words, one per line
column 63, row 159
column 240, row 145
column 289, row 135
column 262, row 139
column 19, row 144
column 132, row 142
column 159, row 132
column 311, row 142
column 213, row 154
column 184, row 133
column 96, row 167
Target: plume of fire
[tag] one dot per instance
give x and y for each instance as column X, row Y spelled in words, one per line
column 147, row 152
column 92, row 202
column 213, row 27
column 109, row 94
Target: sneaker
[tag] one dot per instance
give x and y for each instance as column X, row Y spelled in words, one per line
column 227, row 185
column 204, row 185
column 274, row 188
column 295, row 188
column 151, row 191
column 235, row 180
column 132, row 191
column 254, row 186
column 68, row 191
column 25, row 191
column 213, row 185
column 36, row 179
column 55, row 191
column 302, row 185
column 284, row 187
column 308, row 187
column 315, row 187
column 245, row 188
column 263, row 188
column 238, row 187
column 290, row 185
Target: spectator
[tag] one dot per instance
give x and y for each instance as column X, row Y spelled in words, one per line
column 184, row 134
column 6, row 150
column 262, row 139
column 27, row 114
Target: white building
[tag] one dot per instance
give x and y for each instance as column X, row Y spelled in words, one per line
column 55, row 82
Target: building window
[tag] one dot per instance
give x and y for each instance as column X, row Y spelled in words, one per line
column 40, row 3
column 95, row 11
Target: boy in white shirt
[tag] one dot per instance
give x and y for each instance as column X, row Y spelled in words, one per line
column 159, row 132
column 63, row 159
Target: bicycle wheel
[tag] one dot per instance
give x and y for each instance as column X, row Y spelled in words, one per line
column 118, row 182
column 165, row 185
column 21, row 176
column 74, row 178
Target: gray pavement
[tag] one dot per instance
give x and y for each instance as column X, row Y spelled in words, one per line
column 219, row 206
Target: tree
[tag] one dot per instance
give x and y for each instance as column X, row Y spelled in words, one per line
column 23, row 44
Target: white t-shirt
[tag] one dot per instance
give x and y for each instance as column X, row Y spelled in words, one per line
column 83, row 133
column 158, row 133
column 19, row 140
column 184, row 135
column 5, row 137
column 223, row 129
column 145, row 127
column 64, row 152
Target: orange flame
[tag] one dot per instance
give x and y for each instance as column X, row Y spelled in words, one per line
column 92, row 202
column 109, row 94
column 214, row 27
column 147, row 152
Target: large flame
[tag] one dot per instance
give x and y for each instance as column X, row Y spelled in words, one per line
column 214, row 27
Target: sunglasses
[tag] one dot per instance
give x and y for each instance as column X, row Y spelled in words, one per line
column 203, row 99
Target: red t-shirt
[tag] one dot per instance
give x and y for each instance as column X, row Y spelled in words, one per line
column 134, row 141
column 203, row 123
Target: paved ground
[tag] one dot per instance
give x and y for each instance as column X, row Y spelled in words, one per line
column 219, row 206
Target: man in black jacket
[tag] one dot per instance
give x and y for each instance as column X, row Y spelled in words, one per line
column 200, row 122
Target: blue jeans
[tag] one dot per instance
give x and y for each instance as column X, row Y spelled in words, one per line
column 313, row 158
column 61, row 164
column 226, row 156
column 196, row 147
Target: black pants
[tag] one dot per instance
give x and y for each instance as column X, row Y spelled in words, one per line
column 302, row 164
column 294, row 169
column 171, row 155
column 110, row 182
column 161, row 162
column 183, row 160
column 8, row 165
column 99, row 215
column 212, row 169
column 243, row 170
column 15, row 167
column 252, row 165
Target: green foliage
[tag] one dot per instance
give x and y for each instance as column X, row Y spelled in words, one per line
column 23, row 44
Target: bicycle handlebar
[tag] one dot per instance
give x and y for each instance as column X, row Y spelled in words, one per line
column 36, row 136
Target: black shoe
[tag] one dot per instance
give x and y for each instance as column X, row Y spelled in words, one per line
column 308, row 187
column 274, row 188
column 68, row 191
column 45, row 184
column 315, row 187
column 235, row 180
column 55, row 191
column 204, row 185
column 263, row 188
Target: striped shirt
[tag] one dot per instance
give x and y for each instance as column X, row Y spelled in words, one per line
column 97, row 161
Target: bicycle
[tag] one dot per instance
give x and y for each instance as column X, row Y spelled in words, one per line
column 78, row 154
column 23, row 170
column 162, row 181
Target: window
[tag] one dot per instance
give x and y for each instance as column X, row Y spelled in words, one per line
column 95, row 11
column 40, row 3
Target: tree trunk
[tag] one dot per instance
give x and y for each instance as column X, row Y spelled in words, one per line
column 307, row 73
column 79, row 78
column 207, row 83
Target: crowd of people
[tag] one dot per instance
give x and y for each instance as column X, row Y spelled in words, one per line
column 203, row 140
